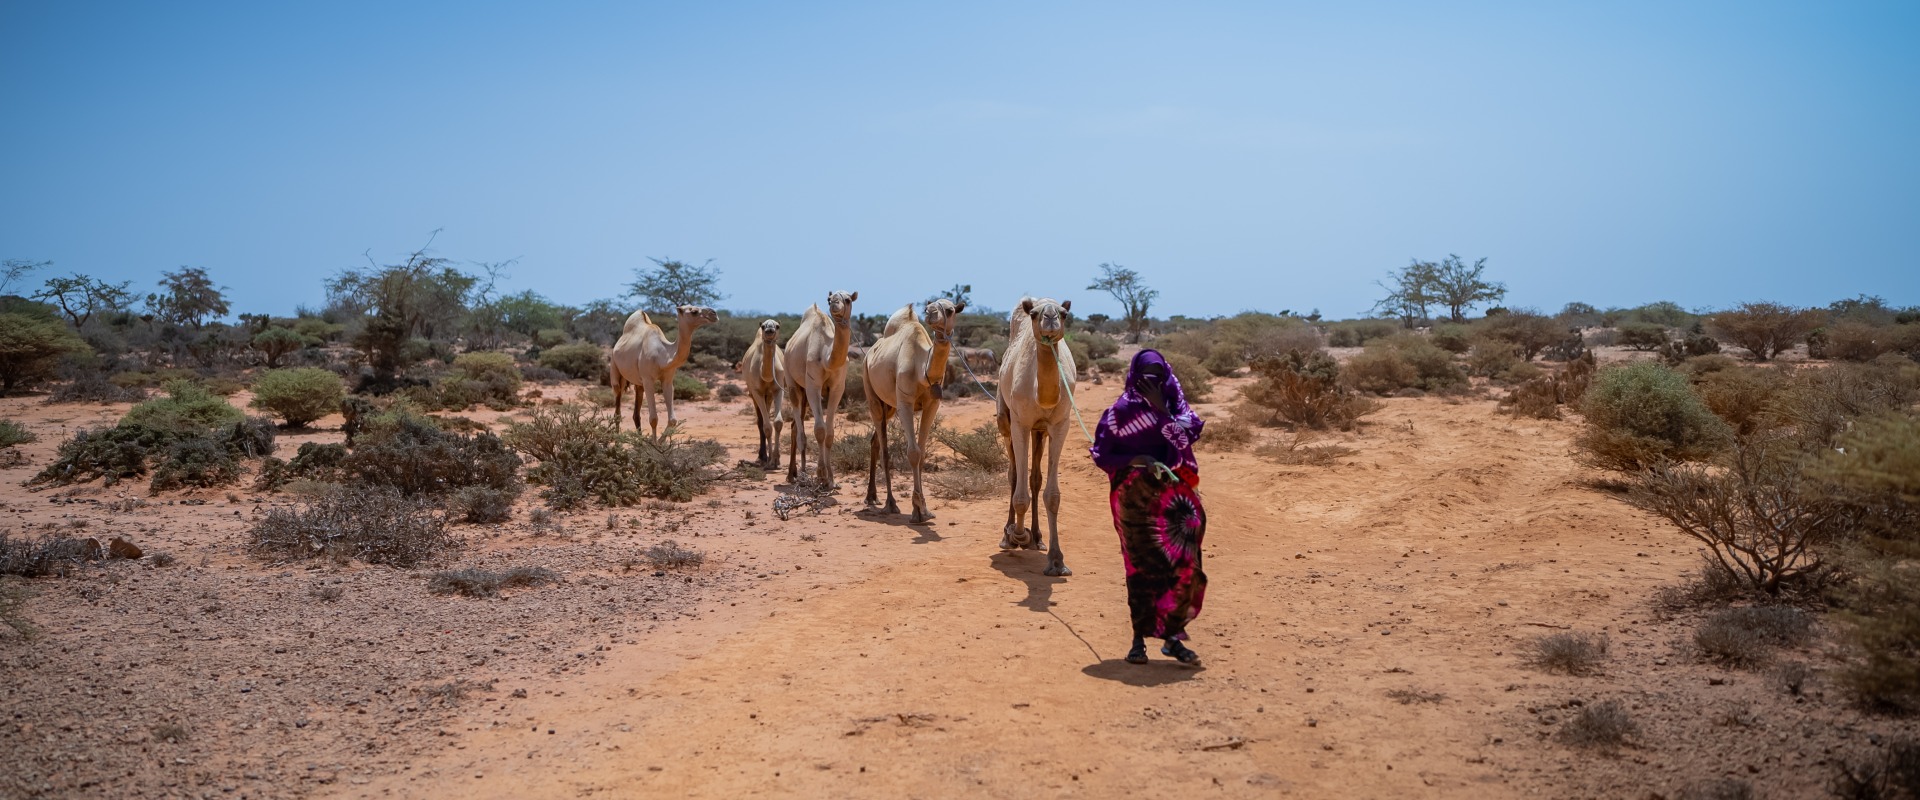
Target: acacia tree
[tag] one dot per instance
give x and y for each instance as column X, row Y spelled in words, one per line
column 13, row 269
column 1410, row 295
column 422, row 297
column 80, row 297
column 1765, row 329
column 1460, row 287
column 673, row 283
column 1133, row 294
column 190, row 298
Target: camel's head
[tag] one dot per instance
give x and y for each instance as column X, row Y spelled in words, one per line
column 769, row 330
column 940, row 316
column 840, row 307
column 1049, row 318
column 697, row 316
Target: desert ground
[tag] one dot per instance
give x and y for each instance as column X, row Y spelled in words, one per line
column 1367, row 633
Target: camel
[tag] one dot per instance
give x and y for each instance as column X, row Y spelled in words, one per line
column 644, row 358
column 816, row 376
column 904, row 370
column 765, row 370
column 1032, row 405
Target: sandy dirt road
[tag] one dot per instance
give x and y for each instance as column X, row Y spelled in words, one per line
column 1362, row 638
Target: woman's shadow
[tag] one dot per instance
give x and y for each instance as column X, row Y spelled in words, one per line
column 1030, row 569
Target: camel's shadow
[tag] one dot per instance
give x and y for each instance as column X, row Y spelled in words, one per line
column 1021, row 565
column 927, row 534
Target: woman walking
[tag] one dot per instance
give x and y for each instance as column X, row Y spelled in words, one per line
column 1145, row 445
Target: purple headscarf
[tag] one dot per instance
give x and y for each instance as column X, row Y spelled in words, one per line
column 1132, row 428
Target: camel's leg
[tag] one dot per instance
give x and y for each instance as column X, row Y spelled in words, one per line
column 1015, row 535
column 1033, row 485
column 760, row 424
column 666, row 395
column 917, row 456
column 820, row 459
column 647, row 386
column 779, row 415
column 797, row 458
column 619, row 388
column 884, row 435
column 1007, row 541
column 876, row 448
column 1056, row 560
column 826, row 448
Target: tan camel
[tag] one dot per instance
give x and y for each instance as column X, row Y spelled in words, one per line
column 816, row 377
column 904, row 371
column 643, row 358
column 765, row 372
column 1034, row 413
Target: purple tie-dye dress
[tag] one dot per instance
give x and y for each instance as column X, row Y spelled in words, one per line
column 1156, row 511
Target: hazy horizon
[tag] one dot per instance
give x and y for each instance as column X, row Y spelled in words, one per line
column 1240, row 157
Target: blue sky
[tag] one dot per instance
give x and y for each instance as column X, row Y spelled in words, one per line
column 1240, row 156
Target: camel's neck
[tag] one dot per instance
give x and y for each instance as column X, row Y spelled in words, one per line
column 682, row 348
column 937, row 368
column 842, row 338
column 766, row 361
column 1049, row 376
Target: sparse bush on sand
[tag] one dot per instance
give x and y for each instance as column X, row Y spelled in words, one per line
column 1747, row 636
column 1304, row 389
column 1644, row 414
column 299, row 395
column 374, row 524
column 581, row 458
column 1572, row 653
column 484, row 583
column 672, row 555
column 1605, row 724
column 1765, row 329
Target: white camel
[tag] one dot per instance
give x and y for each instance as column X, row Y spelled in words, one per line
column 764, row 370
column 817, row 375
column 643, row 357
column 1033, row 413
column 904, row 371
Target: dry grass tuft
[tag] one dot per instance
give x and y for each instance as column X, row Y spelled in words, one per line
column 482, row 583
column 1603, row 724
column 1572, row 653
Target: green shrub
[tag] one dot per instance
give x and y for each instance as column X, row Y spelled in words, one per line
column 13, row 433
column 30, row 349
column 1527, row 332
column 1099, row 346
column 298, row 396
column 1873, row 471
column 581, row 457
column 490, row 379
column 980, row 448
column 312, row 462
column 582, row 360
column 1304, row 388
column 1491, row 359
column 1644, row 414
column 196, row 462
column 1765, row 329
column 1643, row 336
column 1194, row 379
column 1452, row 337
column 549, row 337
column 1818, row 405
column 1741, row 396
column 481, row 504
column 377, row 525
column 687, row 387
column 276, row 343
column 187, row 409
column 402, row 450
column 1402, row 361
column 1356, row 333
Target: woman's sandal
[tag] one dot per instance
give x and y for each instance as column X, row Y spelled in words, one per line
column 1180, row 653
column 1138, row 655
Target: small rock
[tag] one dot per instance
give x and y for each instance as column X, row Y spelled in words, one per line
column 121, row 548
column 1299, row 555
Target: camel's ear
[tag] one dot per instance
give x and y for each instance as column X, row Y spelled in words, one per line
column 1066, row 305
column 853, row 297
column 959, row 307
column 1026, row 305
